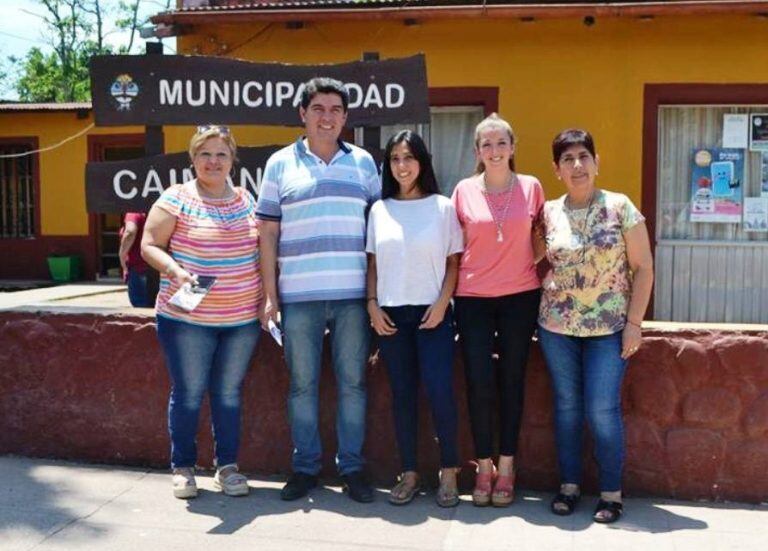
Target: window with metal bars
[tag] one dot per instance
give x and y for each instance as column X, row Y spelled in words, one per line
column 17, row 192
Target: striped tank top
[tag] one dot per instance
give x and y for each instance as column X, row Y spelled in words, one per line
column 214, row 237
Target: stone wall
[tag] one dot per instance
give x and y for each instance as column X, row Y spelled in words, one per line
column 93, row 387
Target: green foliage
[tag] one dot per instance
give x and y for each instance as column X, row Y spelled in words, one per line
column 75, row 30
column 40, row 78
column 43, row 79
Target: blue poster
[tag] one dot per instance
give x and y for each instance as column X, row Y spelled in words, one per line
column 717, row 185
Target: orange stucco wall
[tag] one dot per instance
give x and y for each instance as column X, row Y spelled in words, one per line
column 551, row 74
column 62, row 170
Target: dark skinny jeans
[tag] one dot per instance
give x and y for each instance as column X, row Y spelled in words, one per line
column 414, row 354
column 508, row 322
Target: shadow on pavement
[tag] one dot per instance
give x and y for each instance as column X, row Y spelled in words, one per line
column 641, row 515
column 37, row 501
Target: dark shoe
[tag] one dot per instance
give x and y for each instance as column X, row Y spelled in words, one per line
column 564, row 504
column 298, row 485
column 607, row 512
column 357, row 487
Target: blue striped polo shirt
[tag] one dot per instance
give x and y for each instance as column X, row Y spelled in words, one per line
column 321, row 209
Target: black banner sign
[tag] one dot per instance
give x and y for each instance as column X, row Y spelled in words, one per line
column 133, row 186
column 188, row 90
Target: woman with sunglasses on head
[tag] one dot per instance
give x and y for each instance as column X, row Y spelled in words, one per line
column 593, row 303
column 413, row 244
column 206, row 227
column 497, row 300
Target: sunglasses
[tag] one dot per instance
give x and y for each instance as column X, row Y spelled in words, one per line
column 223, row 130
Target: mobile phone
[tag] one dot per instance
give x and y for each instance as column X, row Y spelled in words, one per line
column 203, row 284
column 190, row 295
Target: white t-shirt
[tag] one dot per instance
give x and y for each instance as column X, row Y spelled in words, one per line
column 411, row 240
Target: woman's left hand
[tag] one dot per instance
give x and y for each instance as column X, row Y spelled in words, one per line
column 631, row 338
column 433, row 316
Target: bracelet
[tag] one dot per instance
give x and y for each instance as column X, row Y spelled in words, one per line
column 635, row 324
column 369, row 299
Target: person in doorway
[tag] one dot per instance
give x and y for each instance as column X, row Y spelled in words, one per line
column 134, row 267
column 206, row 227
column 497, row 300
column 414, row 240
column 593, row 303
column 313, row 202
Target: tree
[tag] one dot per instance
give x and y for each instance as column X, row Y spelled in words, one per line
column 130, row 19
column 75, row 31
column 3, row 76
column 55, row 76
column 42, row 78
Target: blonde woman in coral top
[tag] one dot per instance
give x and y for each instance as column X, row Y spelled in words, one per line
column 497, row 300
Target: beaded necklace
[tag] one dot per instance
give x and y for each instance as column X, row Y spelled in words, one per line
column 499, row 211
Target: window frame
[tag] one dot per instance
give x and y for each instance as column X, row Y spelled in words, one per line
column 34, row 144
column 658, row 94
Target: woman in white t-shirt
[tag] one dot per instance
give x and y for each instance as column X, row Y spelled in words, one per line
column 414, row 240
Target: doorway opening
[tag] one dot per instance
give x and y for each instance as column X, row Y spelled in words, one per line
column 105, row 228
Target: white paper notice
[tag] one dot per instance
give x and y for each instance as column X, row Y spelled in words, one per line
column 736, row 130
column 756, row 214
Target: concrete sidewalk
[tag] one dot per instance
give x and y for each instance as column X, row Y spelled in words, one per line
column 48, row 504
column 73, row 297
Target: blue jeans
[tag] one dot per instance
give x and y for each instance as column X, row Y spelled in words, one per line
column 137, row 289
column 587, row 373
column 412, row 354
column 200, row 359
column 304, row 326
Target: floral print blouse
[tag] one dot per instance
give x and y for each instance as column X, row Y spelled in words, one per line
column 587, row 291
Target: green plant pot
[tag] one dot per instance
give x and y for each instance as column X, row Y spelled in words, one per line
column 64, row 268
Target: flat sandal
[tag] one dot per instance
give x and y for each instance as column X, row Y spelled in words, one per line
column 614, row 510
column 568, row 501
column 402, row 493
column 448, row 497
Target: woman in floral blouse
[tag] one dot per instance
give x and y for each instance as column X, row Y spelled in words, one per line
column 592, row 305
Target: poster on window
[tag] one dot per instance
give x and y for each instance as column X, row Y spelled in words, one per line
column 717, row 182
column 736, row 130
column 758, row 132
column 756, row 214
column 764, row 174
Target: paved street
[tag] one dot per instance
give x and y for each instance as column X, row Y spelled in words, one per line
column 48, row 504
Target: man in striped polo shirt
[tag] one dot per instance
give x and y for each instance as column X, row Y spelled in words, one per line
column 313, row 202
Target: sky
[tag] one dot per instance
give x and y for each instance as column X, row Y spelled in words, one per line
column 20, row 30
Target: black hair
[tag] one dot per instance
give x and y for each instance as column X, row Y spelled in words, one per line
column 569, row 138
column 324, row 85
column 426, row 181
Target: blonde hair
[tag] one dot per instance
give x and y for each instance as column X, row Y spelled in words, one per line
column 205, row 133
column 493, row 122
